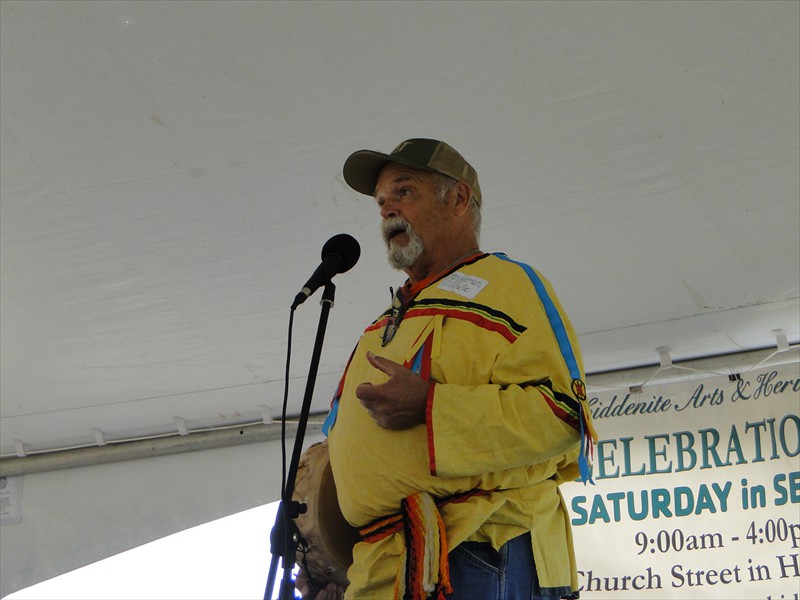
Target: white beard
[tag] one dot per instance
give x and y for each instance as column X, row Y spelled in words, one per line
column 399, row 256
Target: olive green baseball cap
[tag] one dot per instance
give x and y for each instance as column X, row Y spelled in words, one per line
column 362, row 168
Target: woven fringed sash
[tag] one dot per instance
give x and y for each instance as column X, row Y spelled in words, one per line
column 424, row 570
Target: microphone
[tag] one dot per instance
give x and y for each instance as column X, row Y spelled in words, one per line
column 339, row 254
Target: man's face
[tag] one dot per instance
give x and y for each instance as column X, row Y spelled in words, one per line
column 411, row 213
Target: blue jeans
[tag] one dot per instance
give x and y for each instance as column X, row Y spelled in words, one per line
column 479, row 572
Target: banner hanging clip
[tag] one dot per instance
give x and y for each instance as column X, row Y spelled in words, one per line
column 666, row 359
column 781, row 341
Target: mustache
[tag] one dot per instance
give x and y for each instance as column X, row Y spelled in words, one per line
column 394, row 226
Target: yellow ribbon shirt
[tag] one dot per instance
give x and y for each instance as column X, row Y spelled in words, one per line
column 506, row 416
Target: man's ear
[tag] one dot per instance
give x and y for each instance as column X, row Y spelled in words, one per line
column 463, row 193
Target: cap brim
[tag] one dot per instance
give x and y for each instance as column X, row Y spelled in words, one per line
column 362, row 168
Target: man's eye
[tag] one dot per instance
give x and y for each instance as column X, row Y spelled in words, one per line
column 404, row 192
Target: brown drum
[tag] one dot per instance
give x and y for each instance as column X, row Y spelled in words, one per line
column 330, row 538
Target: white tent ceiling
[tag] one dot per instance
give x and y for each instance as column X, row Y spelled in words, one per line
column 170, row 171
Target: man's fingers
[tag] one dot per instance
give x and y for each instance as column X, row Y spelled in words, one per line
column 399, row 402
column 364, row 391
column 383, row 364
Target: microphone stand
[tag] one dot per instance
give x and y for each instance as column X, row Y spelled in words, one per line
column 283, row 540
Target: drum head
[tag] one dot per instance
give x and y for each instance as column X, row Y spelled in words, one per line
column 330, row 537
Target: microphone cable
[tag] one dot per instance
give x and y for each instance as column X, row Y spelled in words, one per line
column 286, row 404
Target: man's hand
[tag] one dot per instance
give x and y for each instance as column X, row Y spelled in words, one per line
column 400, row 402
column 311, row 589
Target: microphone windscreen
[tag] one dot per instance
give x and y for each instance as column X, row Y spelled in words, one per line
column 346, row 247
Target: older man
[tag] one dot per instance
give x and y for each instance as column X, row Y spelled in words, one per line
column 462, row 408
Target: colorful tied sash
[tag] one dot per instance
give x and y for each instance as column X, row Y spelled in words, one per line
column 424, row 568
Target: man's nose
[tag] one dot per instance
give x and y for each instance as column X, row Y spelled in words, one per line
column 389, row 210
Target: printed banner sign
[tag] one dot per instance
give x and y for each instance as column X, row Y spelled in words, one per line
column 697, row 490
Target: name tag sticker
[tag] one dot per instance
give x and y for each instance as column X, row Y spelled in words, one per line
column 464, row 285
